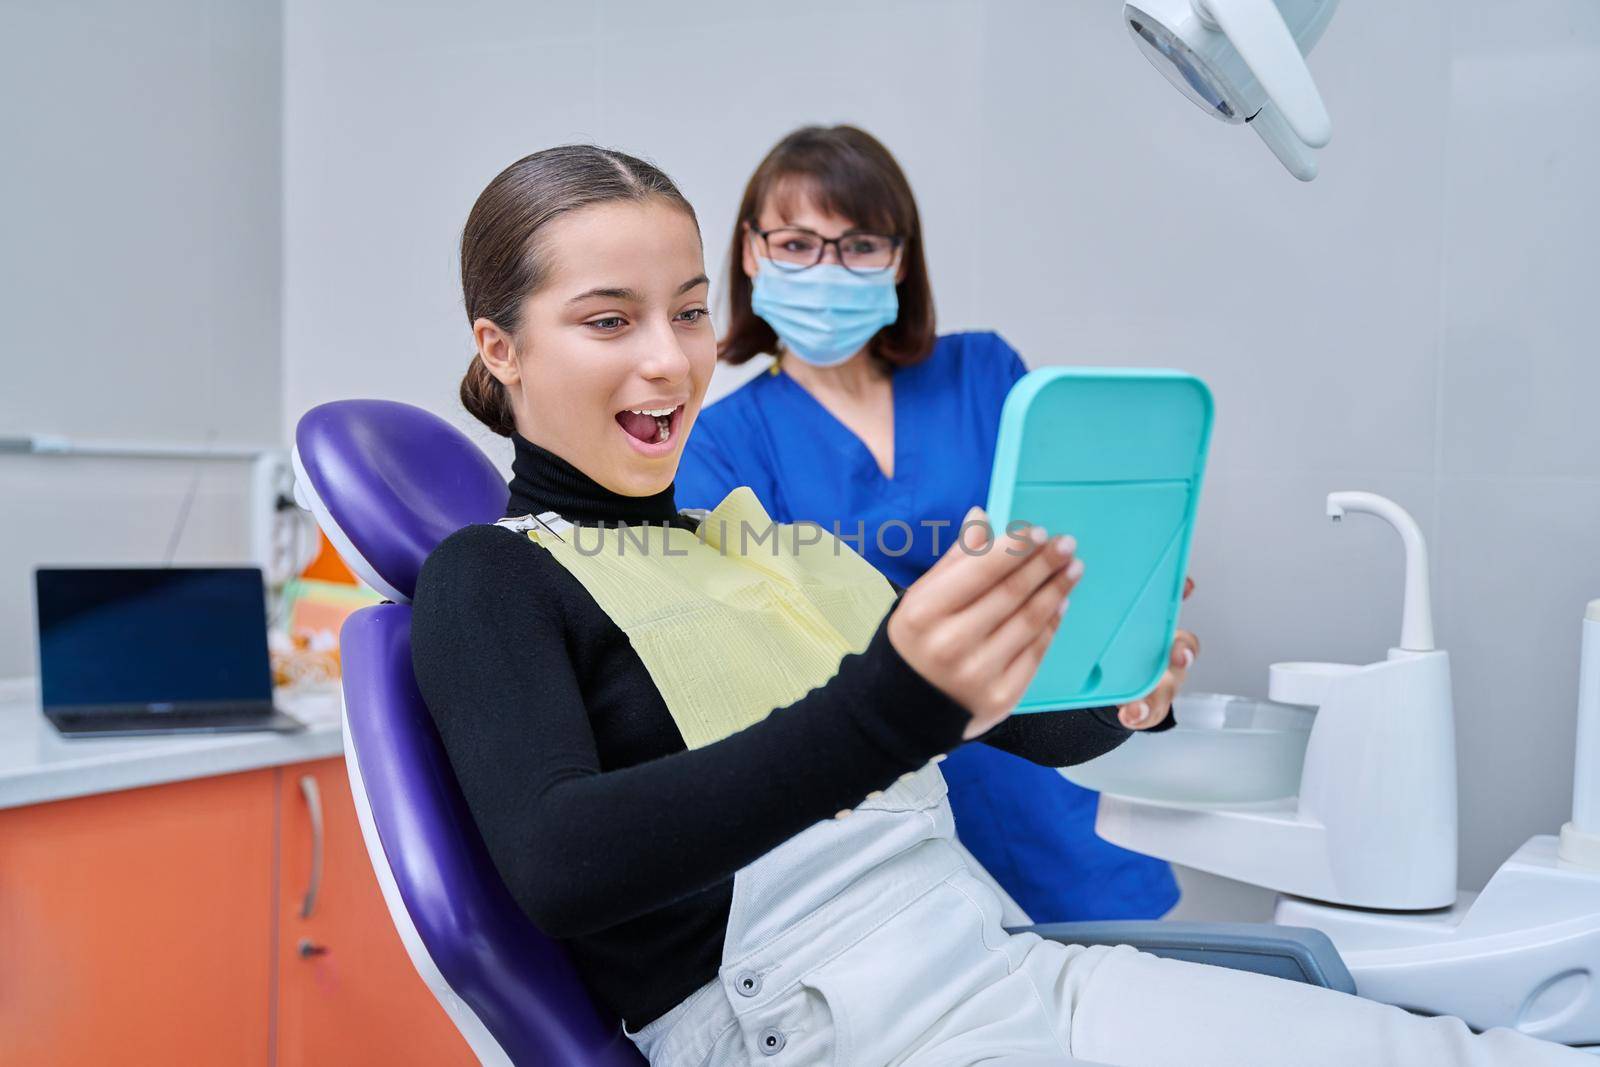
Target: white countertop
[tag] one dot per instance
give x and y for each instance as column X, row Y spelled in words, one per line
column 38, row 764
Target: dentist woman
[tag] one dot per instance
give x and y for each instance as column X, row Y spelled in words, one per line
column 882, row 431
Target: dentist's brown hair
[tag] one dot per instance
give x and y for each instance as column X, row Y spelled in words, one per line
column 848, row 172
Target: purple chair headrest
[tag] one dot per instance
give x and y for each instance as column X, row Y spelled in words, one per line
column 389, row 481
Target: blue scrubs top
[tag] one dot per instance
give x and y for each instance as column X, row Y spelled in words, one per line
column 1031, row 828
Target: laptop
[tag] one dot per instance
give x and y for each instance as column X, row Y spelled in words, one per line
column 155, row 650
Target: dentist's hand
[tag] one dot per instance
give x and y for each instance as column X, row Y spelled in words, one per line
column 979, row 621
column 1154, row 709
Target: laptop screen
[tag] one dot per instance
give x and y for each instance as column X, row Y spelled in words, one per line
column 152, row 635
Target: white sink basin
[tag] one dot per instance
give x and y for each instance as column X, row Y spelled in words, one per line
column 1224, row 750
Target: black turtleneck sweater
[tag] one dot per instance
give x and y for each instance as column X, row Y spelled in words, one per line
column 610, row 834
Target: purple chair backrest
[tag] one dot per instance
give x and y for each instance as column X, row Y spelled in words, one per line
column 388, row 482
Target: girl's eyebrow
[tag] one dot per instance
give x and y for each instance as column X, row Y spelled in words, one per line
column 614, row 293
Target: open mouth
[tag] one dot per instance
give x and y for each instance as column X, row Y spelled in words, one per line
column 650, row 429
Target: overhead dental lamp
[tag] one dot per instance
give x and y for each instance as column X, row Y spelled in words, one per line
column 1244, row 61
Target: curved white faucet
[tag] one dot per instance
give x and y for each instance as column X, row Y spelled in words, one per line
column 1416, row 621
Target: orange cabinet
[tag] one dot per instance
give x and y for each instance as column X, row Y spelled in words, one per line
column 170, row 925
column 135, row 927
column 347, row 992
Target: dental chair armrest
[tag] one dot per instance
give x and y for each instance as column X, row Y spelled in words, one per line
column 1292, row 952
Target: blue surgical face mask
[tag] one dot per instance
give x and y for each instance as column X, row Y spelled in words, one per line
column 824, row 314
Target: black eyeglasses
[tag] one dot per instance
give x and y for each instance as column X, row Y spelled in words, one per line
column 794, row 248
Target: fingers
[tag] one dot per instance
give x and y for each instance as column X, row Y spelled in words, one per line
column 978, row 563
column 1188, row 586
column 973, row 533
column 1185, row 650
column 1014, row 680
column 1154, row 709
column 958, row 576
column 1052, row 563
column 1041, row 612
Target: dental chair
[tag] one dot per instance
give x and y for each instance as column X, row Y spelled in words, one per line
column 387, row 482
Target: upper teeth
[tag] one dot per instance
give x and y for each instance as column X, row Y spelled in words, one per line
column 654, row 413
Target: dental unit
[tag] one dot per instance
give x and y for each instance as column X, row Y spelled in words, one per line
column 1365, row 847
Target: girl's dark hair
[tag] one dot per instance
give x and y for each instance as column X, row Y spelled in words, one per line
column 503, row 259
column 847, row 172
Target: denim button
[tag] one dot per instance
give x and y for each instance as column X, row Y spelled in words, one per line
column 771, row 1042
column 748, row 983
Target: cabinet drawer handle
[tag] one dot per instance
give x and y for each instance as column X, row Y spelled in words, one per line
column 313, row 795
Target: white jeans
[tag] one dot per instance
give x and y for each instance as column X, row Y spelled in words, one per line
column 867, row 941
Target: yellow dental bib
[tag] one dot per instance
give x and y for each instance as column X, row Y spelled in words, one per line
column 745, row 616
